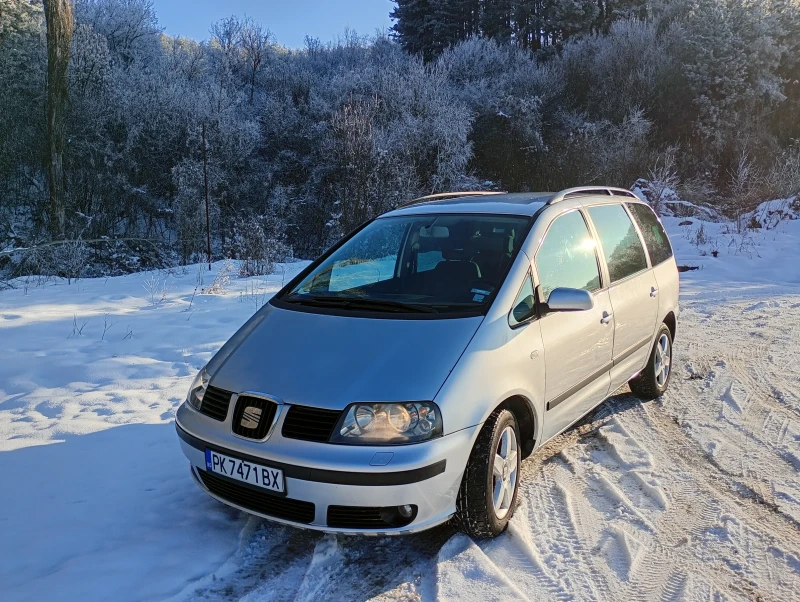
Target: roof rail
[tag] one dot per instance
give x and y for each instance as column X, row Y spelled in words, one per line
column 571, row 193
column 448, row 195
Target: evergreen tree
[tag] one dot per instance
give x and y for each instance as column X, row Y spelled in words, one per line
column 497, row 20
column 785, row 26
column 414, row 26
column 454, row 21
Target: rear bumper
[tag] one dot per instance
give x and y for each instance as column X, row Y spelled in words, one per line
column 426, row 475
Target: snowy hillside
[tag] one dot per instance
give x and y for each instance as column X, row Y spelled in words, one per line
column 695, row 496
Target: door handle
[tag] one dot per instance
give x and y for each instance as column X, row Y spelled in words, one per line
column 606, row 318
column 653, row 291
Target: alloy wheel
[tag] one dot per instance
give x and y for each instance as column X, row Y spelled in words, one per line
column 504, row 472
column 663, row 359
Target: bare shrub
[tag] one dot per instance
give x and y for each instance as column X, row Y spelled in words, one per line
column 256, row 294
column 700, row 236
column 745, row 191
column 698, row 189
column 783, row 178
column 662, row 178
column 77, row 329
column 64, row 260
column 107, row 324
column 258, row 248
column 156, row 288
column 221, row 280
column 70, row 259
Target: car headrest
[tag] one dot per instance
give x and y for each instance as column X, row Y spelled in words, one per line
column 455, row 254
column 493, row 244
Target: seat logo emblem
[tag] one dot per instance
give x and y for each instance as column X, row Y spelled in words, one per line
column 251, row 417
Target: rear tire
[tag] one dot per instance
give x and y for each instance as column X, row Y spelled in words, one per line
column 488, row 494
column 651, row 382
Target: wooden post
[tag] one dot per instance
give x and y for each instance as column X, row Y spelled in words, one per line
column 205, row 186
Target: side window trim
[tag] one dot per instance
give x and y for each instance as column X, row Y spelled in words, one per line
column 602, row 252
column 601, row 265
column 399, row 268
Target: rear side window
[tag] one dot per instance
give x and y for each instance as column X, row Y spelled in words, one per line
column 567, row 257
column 621, row 244
column 654, row 236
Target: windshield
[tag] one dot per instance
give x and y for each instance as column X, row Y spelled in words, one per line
column 417, row 263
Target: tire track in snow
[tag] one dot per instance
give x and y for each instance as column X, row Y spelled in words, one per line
column 628, row 504
column 465, row 570
column 268, row 554
column 674, row 587
column 556, row 532
column 747, row 371
column 520, row 559
column 279, row 563
column 717, row 497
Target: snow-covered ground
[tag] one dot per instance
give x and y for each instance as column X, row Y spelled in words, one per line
column 694, row 496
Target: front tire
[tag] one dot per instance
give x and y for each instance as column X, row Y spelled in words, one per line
column 651, row 382
column 488, row 493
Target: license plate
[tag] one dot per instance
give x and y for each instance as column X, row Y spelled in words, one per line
column 246, row 472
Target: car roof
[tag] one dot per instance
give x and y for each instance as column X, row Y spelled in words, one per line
column 510, row 203
column 517, row 203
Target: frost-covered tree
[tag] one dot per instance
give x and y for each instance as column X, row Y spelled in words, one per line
column 129, row 26
column 60, row 22
column 730, row 65
column 23, row 65
column 255, row 41
column 303, row 144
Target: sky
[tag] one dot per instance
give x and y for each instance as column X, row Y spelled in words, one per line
column 289, row 20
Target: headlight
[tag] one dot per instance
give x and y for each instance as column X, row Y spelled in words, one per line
column 198, row 389
column 388, row 423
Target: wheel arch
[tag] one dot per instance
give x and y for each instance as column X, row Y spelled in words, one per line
column 526, row 420
column 672, row 323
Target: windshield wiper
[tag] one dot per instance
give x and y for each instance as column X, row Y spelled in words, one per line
column 359, row 303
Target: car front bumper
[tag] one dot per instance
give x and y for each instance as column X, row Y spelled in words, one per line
column 426, row 475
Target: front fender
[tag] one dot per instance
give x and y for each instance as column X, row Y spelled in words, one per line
column 493, row 369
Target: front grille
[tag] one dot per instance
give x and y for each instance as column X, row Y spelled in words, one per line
column 310, row 424
column 263, row 420
column 249, row 497
column 363, row 517
column 215, row 403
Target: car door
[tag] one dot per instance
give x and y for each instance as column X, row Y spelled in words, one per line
column 662, row 261
column 577, row 345
column 632, row 288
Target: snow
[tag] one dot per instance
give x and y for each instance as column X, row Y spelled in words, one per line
column 97, row 496
column 694, row 496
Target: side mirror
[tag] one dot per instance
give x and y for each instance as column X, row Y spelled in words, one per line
column 569, row 299
column 524, row 310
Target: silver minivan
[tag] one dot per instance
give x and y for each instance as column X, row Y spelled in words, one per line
column 399, row 380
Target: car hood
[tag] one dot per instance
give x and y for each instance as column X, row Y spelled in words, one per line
column 329, row 361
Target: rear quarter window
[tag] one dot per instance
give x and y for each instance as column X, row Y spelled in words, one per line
column 623, row 249
column 653, row 232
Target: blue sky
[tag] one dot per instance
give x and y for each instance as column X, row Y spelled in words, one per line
column 289, row 20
